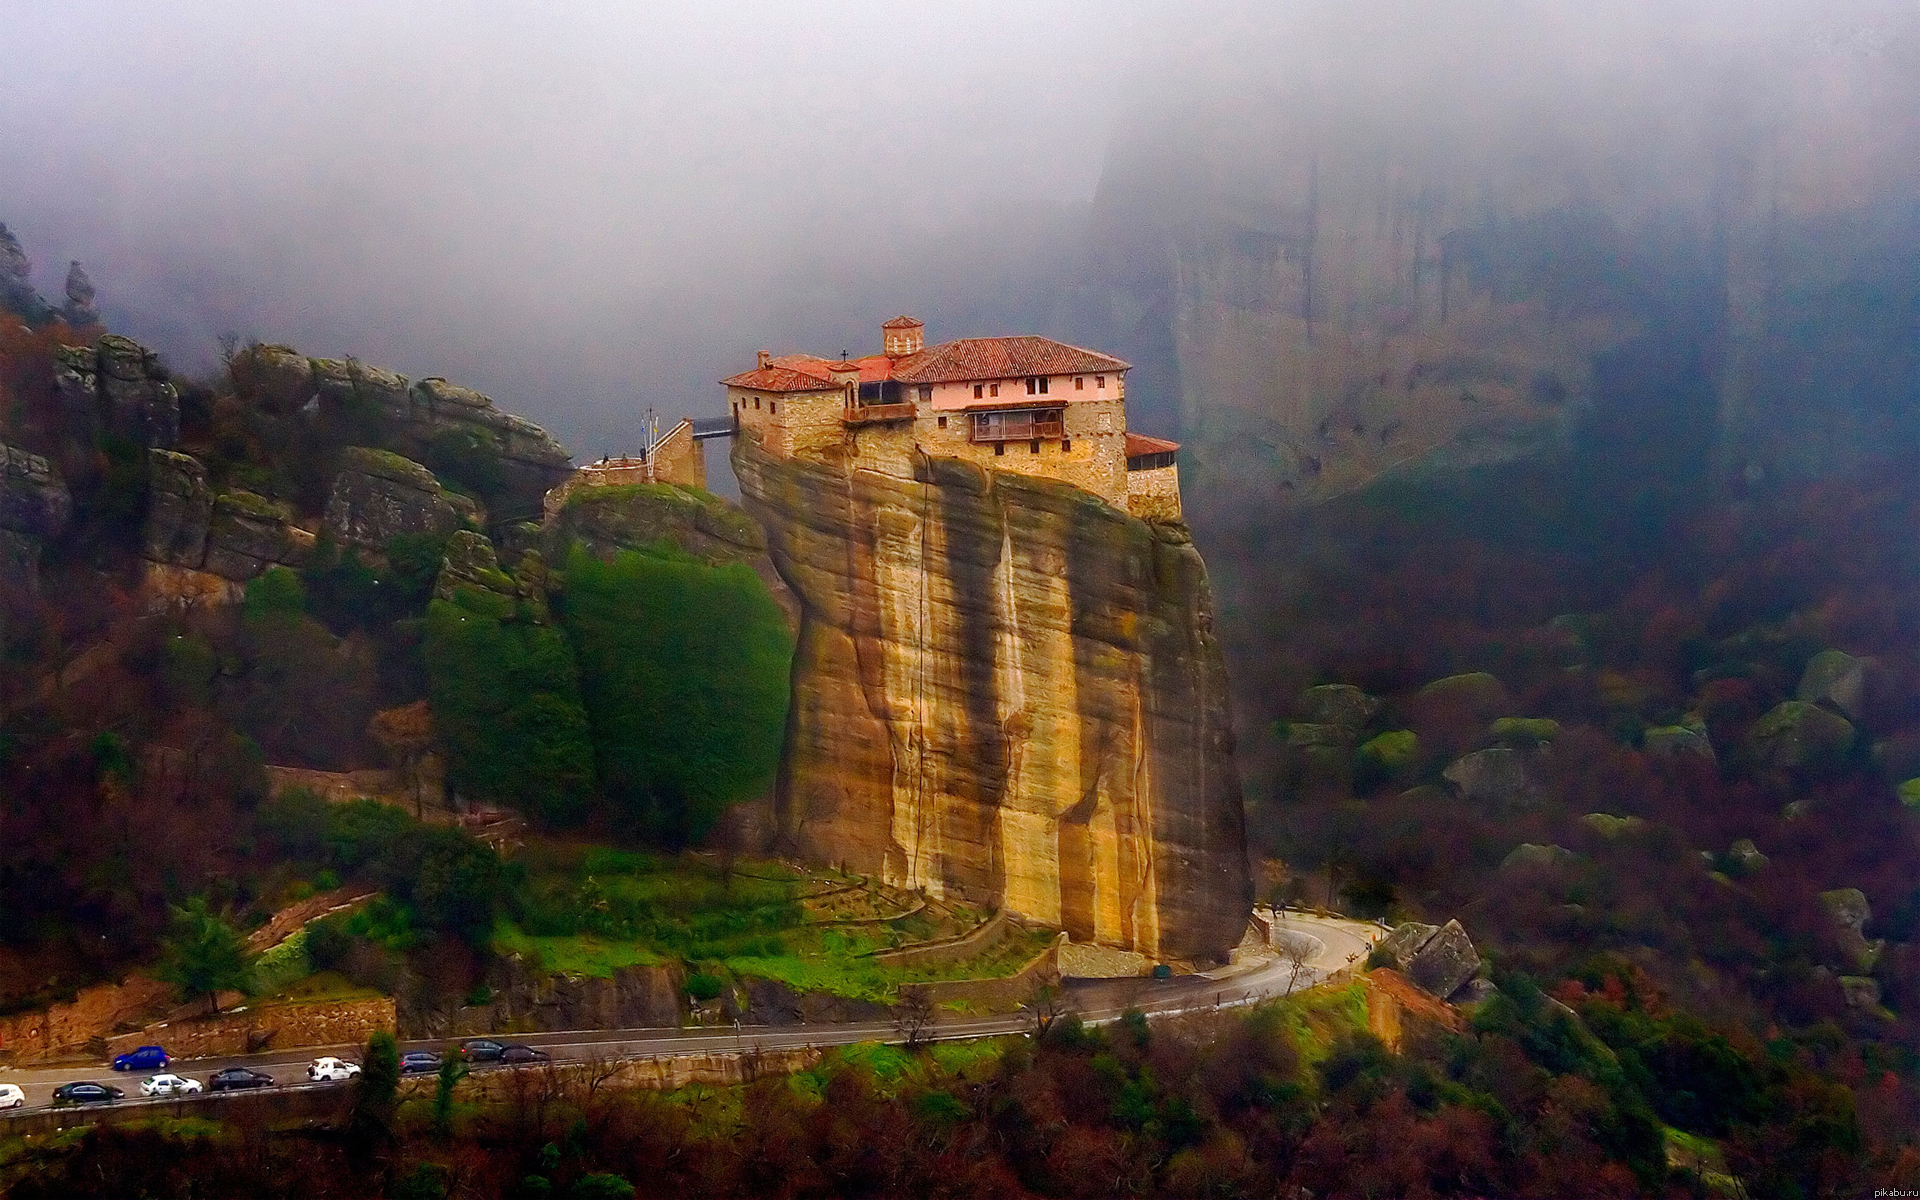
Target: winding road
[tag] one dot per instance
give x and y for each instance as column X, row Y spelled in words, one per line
column 1333, row 943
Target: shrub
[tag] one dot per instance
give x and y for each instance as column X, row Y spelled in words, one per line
column 704, row 987
column 684, row 669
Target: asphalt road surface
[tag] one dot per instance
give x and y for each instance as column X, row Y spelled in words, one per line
column 1335, row 942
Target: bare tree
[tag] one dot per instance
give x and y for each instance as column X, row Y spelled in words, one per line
column 1296, row 952
column 1044, row 1005
column 913, row 1015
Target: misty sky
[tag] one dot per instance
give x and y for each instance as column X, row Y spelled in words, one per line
column 586, row 208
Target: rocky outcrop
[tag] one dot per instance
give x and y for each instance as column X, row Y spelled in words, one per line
column 378, row 495
column 80, row 308
column 631, row 998
column 1836, row 677
column 16, row 278
column 117, row 387
column 1500, row 775
column 419, row 419
column 1800, row 735
column 1007, row 690
column 1440, row 958
column 1339, row 704
column 34, row 507
column 197, row 539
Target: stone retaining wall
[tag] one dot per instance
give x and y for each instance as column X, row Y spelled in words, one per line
column 971, row 944
column 1004, row 994
column 68, row 1027
column 275, row 1027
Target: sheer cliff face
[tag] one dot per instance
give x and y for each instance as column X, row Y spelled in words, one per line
column 1007, row 690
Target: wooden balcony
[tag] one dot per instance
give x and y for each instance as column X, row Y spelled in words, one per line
column 873, row 414
column 1017, row 426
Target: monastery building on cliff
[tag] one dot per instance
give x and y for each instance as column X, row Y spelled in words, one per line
column 1025, row 404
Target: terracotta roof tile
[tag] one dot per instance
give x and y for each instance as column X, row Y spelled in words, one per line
column 779, row 378
column 873, row 368
column 1000, row 358
column 1140, row 443
column 902, row 323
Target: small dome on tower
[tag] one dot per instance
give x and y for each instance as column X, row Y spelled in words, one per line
column 902, row 336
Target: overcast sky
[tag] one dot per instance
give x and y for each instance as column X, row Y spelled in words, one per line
column 588, row 206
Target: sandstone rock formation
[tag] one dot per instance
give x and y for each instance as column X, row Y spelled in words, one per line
column 80, row 309
column 118, row 387
column 191, row 532
column 1008, row 690
column 416, row 419
column 378, row 495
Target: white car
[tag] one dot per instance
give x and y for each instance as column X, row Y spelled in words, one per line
column 11, row 1096
column 331, row 1070
column 169, row 1085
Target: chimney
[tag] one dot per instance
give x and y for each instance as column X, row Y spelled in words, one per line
column 766, row 360
column 902, row 336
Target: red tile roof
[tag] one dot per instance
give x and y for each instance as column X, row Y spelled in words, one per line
column 780, row 378
column 873, row 368
column 902, row 323
column 1000, row 358
column 1140, row 443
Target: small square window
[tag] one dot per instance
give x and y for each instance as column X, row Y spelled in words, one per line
column 977, row 389
column 943, row 422
column 756, row 403
column 1043, row 385
column 1079, row 383
column 1033, row 385
column 1066, row 444
column 1100, row 381
column 926, row 393
column 1033, row 447
column 994, row 390
column 999, row 448
column 772, row 408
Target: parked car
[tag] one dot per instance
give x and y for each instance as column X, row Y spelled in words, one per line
column 419, row 1062
column 169, row 1084
column 11, row 1096
column 331, row 1070
column 520, row 1055
column 86, row 1092
column 235, row 1078
column 146, row 1058
column 481, row 1050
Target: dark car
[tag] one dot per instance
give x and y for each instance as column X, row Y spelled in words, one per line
column 481, row 1050
column 86, row 1093
column 419, row 1062
column 523, row 1054
column 235, row 1078
column 146, row 1058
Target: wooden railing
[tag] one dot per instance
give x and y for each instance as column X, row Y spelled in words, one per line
column 1016, row 427
column 866, row 414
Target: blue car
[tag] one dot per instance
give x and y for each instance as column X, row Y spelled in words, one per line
column 146, row 1058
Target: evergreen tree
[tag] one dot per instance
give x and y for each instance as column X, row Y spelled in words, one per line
column 203, row 955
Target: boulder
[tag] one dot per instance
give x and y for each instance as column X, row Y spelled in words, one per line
column 16, row 280
column 1392, row 753
column 1676, row 740
column 1745, row 856
column 1525, row 732
column 1528, row 856
column 1475, row 691
column 1860, row 991
column 1800, row 734
column 1836, row 677
column 179, row 509
column 1500, row 775
column 1339, row 704
column 1909, row 793
column 1438, row 958
column 249, row 533
column 1848, row 907
column 1475, row 991
column 1609, row 826
column 378, row 495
